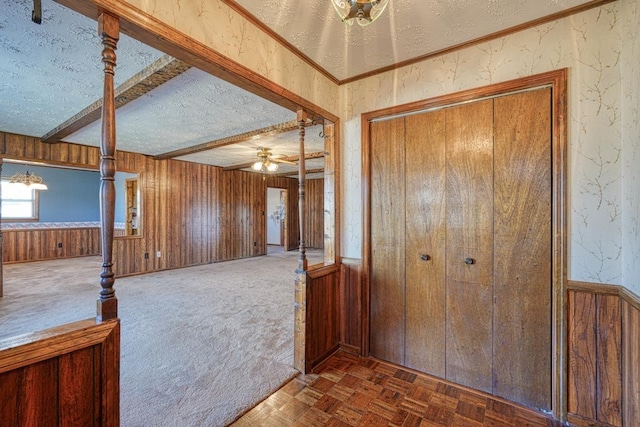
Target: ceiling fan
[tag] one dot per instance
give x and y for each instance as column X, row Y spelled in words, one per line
column 267, row 161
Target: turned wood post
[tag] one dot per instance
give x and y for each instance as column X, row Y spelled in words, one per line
column 1, row 242
column 109, row 30
column 300, row 323
column 302, row 257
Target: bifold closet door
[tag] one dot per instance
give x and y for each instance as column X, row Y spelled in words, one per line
column 387, row 303
column 425, row 242
column 522, row 233
column 469, row 242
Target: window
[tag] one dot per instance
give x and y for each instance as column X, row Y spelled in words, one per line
column 19, row 202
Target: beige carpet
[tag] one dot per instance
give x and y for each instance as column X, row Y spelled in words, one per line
column 200, row 345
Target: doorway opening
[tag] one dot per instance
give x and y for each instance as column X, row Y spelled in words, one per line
column 275, row 220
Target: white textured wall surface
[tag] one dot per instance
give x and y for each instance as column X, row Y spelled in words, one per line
column 214, row 24
column 600, row 49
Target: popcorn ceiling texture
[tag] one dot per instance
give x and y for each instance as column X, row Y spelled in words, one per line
column 416, row 28
column 57, row 63
column 189, row 109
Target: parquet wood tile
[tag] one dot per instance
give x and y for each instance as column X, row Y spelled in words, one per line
column 348, row 391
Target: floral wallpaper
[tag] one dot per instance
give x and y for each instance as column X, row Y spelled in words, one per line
column 630, row 100
column 600, row 49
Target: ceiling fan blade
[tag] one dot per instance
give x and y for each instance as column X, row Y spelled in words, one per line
column 287, row 162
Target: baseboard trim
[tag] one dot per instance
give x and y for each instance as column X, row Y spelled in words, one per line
column 351, row 349
column 578, row 421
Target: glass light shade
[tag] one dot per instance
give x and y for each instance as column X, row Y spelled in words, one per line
column 364, row 12
column 272, row 167
column 30, row 180
column 257, row 166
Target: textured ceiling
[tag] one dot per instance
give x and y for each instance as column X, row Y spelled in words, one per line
column 50, row 72
column 407, row 29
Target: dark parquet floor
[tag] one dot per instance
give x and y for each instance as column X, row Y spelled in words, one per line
column 348, row 391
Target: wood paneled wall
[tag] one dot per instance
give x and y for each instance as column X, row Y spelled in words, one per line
column 314, row 218
column 65, row 376
column 351, row 305
column 604, row 356
column 42, row 244
column 191, row 213
column 323, row 314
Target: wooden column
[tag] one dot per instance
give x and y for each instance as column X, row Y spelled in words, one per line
column 109, row 30
column 1, row 241
column 301, row 272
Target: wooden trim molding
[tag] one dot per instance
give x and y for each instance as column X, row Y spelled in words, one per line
column 27, row 349
column 557, row 80
column 598, row 288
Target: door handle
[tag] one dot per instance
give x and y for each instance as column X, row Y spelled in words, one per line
column 469, row 261
column 425, row 257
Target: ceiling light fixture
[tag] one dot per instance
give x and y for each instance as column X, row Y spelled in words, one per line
column 265, row 162
column 30, row 180
column 363, row 11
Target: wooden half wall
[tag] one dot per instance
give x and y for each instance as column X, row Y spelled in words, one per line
column 191, row 213
column 21, row 245
column 604, row 356
column 61, row 376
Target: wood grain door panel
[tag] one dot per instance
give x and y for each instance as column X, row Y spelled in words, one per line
column 387, row 240
column 425, row 242
column 469, row 187
column 522, row 238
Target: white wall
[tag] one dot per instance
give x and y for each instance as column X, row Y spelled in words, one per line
column 273, row 221
column 600, row 49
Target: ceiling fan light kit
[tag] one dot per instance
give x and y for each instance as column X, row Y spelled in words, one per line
column 364, row 12
column 265, row 162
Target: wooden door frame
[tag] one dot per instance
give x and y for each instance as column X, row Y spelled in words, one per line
column 557, row 81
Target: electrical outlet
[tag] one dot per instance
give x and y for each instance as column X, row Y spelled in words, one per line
column 158, row 254
column 60, row 245
column 146, row 255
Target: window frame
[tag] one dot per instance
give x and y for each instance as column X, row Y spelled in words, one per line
column 35, row 205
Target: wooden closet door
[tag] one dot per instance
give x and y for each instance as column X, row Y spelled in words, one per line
column 522, row 227
column 425, row 242
column 469, row 264
column 387, row 303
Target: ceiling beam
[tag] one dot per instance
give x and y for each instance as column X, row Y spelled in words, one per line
column 295, row 172
column 295, row 158
column 156, row 74
column 235, row 139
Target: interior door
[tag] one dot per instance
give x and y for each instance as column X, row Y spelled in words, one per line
column 425, row 242
column 461, row 244
column 387, row 240
column 522, row 218
column 469, row 282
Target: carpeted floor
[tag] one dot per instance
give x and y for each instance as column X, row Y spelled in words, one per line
column 200, row 345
